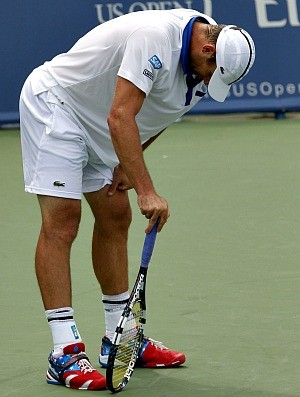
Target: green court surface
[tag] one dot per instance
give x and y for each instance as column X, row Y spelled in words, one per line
column 224, row 280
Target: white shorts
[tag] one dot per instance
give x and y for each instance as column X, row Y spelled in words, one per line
column 57, row 159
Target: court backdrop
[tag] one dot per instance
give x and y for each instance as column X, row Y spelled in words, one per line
column 34, row 31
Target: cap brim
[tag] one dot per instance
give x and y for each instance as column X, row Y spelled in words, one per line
column 217, row 89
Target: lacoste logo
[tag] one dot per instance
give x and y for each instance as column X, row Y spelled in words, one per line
column 59, row 183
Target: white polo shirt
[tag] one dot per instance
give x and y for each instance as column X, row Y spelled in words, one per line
column 142, row 47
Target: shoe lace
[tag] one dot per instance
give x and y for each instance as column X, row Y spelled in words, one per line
column 156, row 343
column 85, row 366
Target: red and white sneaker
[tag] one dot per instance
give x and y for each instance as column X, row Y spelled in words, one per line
column 152, row 354
column 72, row 368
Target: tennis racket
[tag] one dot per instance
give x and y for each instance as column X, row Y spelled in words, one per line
column 130, row 329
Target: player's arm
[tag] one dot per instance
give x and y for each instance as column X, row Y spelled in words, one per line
column 120, row 181
column 127, row 103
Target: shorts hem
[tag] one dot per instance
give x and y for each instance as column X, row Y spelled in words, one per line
column 54, row 193
column 96, row 188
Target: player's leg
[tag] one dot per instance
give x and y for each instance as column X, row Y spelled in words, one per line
column 109, row 249
column 52, row 175
column 60, row 222
column 112, row 220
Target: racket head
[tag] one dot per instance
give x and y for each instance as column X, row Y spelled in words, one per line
column 121, row 363
column 127, row 338
column 130, row 330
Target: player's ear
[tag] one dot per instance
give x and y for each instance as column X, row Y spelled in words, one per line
column 209, row 48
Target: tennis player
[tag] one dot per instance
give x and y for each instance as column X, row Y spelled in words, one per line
column 86, row 117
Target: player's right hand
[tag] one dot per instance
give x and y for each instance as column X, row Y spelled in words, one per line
column 152, row 207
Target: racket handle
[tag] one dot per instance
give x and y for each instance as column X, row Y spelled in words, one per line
column 149, row 245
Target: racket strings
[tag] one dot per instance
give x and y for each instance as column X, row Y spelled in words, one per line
column 124, row 355
column 130, row 329
column 128, row 347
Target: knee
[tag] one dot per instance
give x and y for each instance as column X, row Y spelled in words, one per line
column 117, row 218
column 61, row 227
column 62, row 233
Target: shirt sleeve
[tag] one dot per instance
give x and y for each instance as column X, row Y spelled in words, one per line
column 146, row 58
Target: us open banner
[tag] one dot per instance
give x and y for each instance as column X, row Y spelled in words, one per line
column 33, row 31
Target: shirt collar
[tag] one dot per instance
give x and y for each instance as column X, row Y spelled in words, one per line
column 185, row 50
column 186, row 41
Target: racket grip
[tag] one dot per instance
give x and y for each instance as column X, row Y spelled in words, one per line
column 149, row 245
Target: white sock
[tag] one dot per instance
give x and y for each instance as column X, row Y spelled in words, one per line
column 113, row 308
column 63, row 327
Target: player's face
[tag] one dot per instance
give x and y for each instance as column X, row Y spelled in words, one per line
column 206, row 71
column 203, row 67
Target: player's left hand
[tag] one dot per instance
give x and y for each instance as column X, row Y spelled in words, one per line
column 120, row 181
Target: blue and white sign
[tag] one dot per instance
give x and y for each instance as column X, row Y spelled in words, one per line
column 34, row 31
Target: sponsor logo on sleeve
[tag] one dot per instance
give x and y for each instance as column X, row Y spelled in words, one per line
column 155, row 62
column 148, row 74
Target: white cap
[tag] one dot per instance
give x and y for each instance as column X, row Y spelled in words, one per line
column 235, row 54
